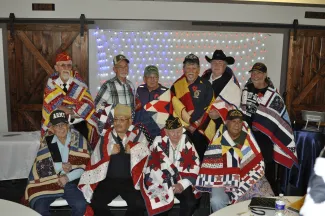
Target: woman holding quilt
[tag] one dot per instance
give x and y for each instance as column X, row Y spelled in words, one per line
column 267, row 115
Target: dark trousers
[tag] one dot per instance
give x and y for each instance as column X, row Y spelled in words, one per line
column 200, row 142
column 108, row 189
column 187, row 204
column 82, row 128
column 72, row 195
column 266, row 146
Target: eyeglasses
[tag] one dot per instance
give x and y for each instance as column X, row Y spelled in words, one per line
column 65, row 65
column 152, row 77
column 121, row 119
column 60, row 125
column 122, row 68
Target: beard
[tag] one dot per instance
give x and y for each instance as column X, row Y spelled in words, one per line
column 65, row 75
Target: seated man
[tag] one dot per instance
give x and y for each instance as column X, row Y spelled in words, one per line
column 233, row 165
column 60, row 161
column 116, row 166
column 172, row 169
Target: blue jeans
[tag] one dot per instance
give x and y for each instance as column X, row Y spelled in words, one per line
column 219, row 199
column 72, row 195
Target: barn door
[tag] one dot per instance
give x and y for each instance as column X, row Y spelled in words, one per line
column 32, row 49
column 306, row 72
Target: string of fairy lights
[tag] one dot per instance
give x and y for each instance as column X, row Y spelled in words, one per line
column 167, row 49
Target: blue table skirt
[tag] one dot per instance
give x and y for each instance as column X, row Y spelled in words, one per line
column 309, row 145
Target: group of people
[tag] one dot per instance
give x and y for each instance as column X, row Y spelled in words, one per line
column 153, row 145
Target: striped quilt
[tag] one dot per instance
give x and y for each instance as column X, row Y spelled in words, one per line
column 42, row 180
column 236, row 168
column 78, row 95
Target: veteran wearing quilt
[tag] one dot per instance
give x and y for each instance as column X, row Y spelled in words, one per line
column 225, row 86
column 60, row 161
column 116, row 167
column 233, row 166
column 146, row 93
column 171, row 171
column 266, row 114
column 66, row 90
column 196, row 94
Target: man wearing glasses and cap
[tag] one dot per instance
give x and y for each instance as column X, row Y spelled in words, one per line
column 116, row 166
column 118, row 90
column 60, row 161
column 171, row 171
column 196, row 94
column 225, row 86
column 66, row 90
column 150, row 90
column 233, row 166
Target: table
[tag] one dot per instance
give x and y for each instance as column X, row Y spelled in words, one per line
column 12, row 208
column 17, row 154
column 309, row 145
column 241, row 209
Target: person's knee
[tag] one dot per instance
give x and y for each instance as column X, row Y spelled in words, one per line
column 79, row 206
column 191, row 203
column 41, row 207
column 219, row 199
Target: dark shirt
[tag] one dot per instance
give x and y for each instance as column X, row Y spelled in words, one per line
column 252, row 101
column 119, row 165
column 219, row 83
column 201, row 94
column 144, row 96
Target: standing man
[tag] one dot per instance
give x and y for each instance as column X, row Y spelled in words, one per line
column 118, row 90
column 66, row 90
column 266, row 113
column 196, row 94
column 225, row 86
column 147, row 92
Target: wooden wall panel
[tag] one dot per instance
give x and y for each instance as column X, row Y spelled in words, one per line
column 306, row 72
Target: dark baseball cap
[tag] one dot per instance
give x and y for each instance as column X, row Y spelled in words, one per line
column 235, row 114
column 259, row 66
column 58, row 116
column 191, row 58
column 119, row 58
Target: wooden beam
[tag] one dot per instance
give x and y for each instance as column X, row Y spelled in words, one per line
column 310, row 107
column 49, row 27
column 319, row 56
column 310, row 33
column 27, row 117
column 289, row 86
column 30, row 107
column 65, row 44
column 30, row 46
column 310, row 86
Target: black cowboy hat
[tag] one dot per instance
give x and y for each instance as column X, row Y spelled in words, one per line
column 219, row 55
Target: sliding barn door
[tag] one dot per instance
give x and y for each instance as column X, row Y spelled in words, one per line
column 306, row 72
column 32, row 49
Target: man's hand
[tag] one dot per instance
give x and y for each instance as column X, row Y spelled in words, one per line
column 214, row 114
column 127, row 149
column 68, row 111
column 66, row 167
column 191, row 129
column 63, row 180
column 177, row 188
column 116, row 149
